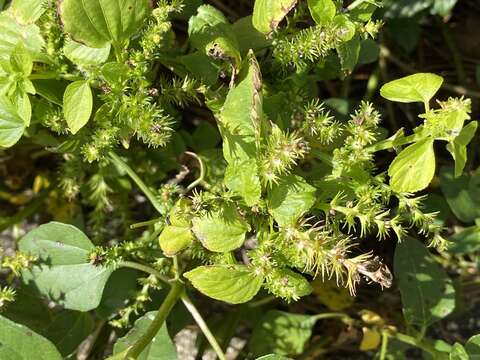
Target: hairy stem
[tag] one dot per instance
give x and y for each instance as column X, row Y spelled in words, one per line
column 167, row 305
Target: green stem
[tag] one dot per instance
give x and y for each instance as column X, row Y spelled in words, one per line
column 389, row 143
column 145, row 223
column 173, row 296
column 383, row 349
column 148, row 193
column 203, row 326
column 144, row 268
column 202, row 170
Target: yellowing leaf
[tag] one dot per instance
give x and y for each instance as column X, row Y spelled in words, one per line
column 371, row 339
column 267, row 14
column 331, row 295
column 371, row 318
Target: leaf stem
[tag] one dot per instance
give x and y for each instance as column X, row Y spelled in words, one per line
column 145, row 268
column 202, row 170
column 145, row 223
column 383, row 349
column 407, row 339
column 172, row 297
column 203, row 326
column 148, row 193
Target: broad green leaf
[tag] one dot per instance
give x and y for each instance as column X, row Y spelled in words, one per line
column 83, row 55
column 174, row 239
column 21, row 101
column 77, row 105
column 234, row 284
column 413, row 169
column 443, row 7
column 290, row 199
column 243, row 180
column 201, row 66
column 473, row 347
column 51, row 90
column 281, row 333
column 322, row 11
column 240, row 118
column 68, row 329
column 466, row 241
column 462, row 194
column 160, row 348
column 248, row 37
column 12, row 33
column 21, row 60
column 114, row 72
column 267, row 14
column 419, row 87
column 17, row 342
column 345, row 29
column 458, row 353
column 458, row 147
column 369, row 51
column 272, row 357
column 120, row 287
column 427, row 292
column 12, row 125
column 27, row 11
column 211, row 33
column 64, row 273
column 221, row 231
column 349, row 52
column 98, row 22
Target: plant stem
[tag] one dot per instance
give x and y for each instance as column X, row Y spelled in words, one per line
column 167, row 305
column 145, row 223
column 145, row 268
column 202, row 170
column 407, row 339
column 148, row 193
column 390, row 143
column 383, row 349
column 203, row 326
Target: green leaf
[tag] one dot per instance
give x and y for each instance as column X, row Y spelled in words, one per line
column 68, row 329
column 201, row 66
column 98, row 22
column 160, row 348
column 12, row 33
column 64, row 274
column 21, row 60
column 211, row 33
column 349, row 52
column 413, row 169
column 427, row 292
column 83, row 55
column 419, row 87
column 281, row 333
column 322, row 11
column 12, row 125
column 17, row 342
column 240, row 119
column 473, row 347
column 458, row 353
column 466, row 241
column 290, row 199
column 458, row 147
column 77, row 105
column 369, row 52
column 234, row 284
column 294, row 285
column 462, row 194
column 221, row 231
column 272, row 357
column 243, row 180
column 345, row 28
column 175, row 239
column 267, row 14
column 248, row 37
column 27, row 11
column 120, row 287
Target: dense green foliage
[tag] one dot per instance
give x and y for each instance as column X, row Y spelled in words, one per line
column 178, row 151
